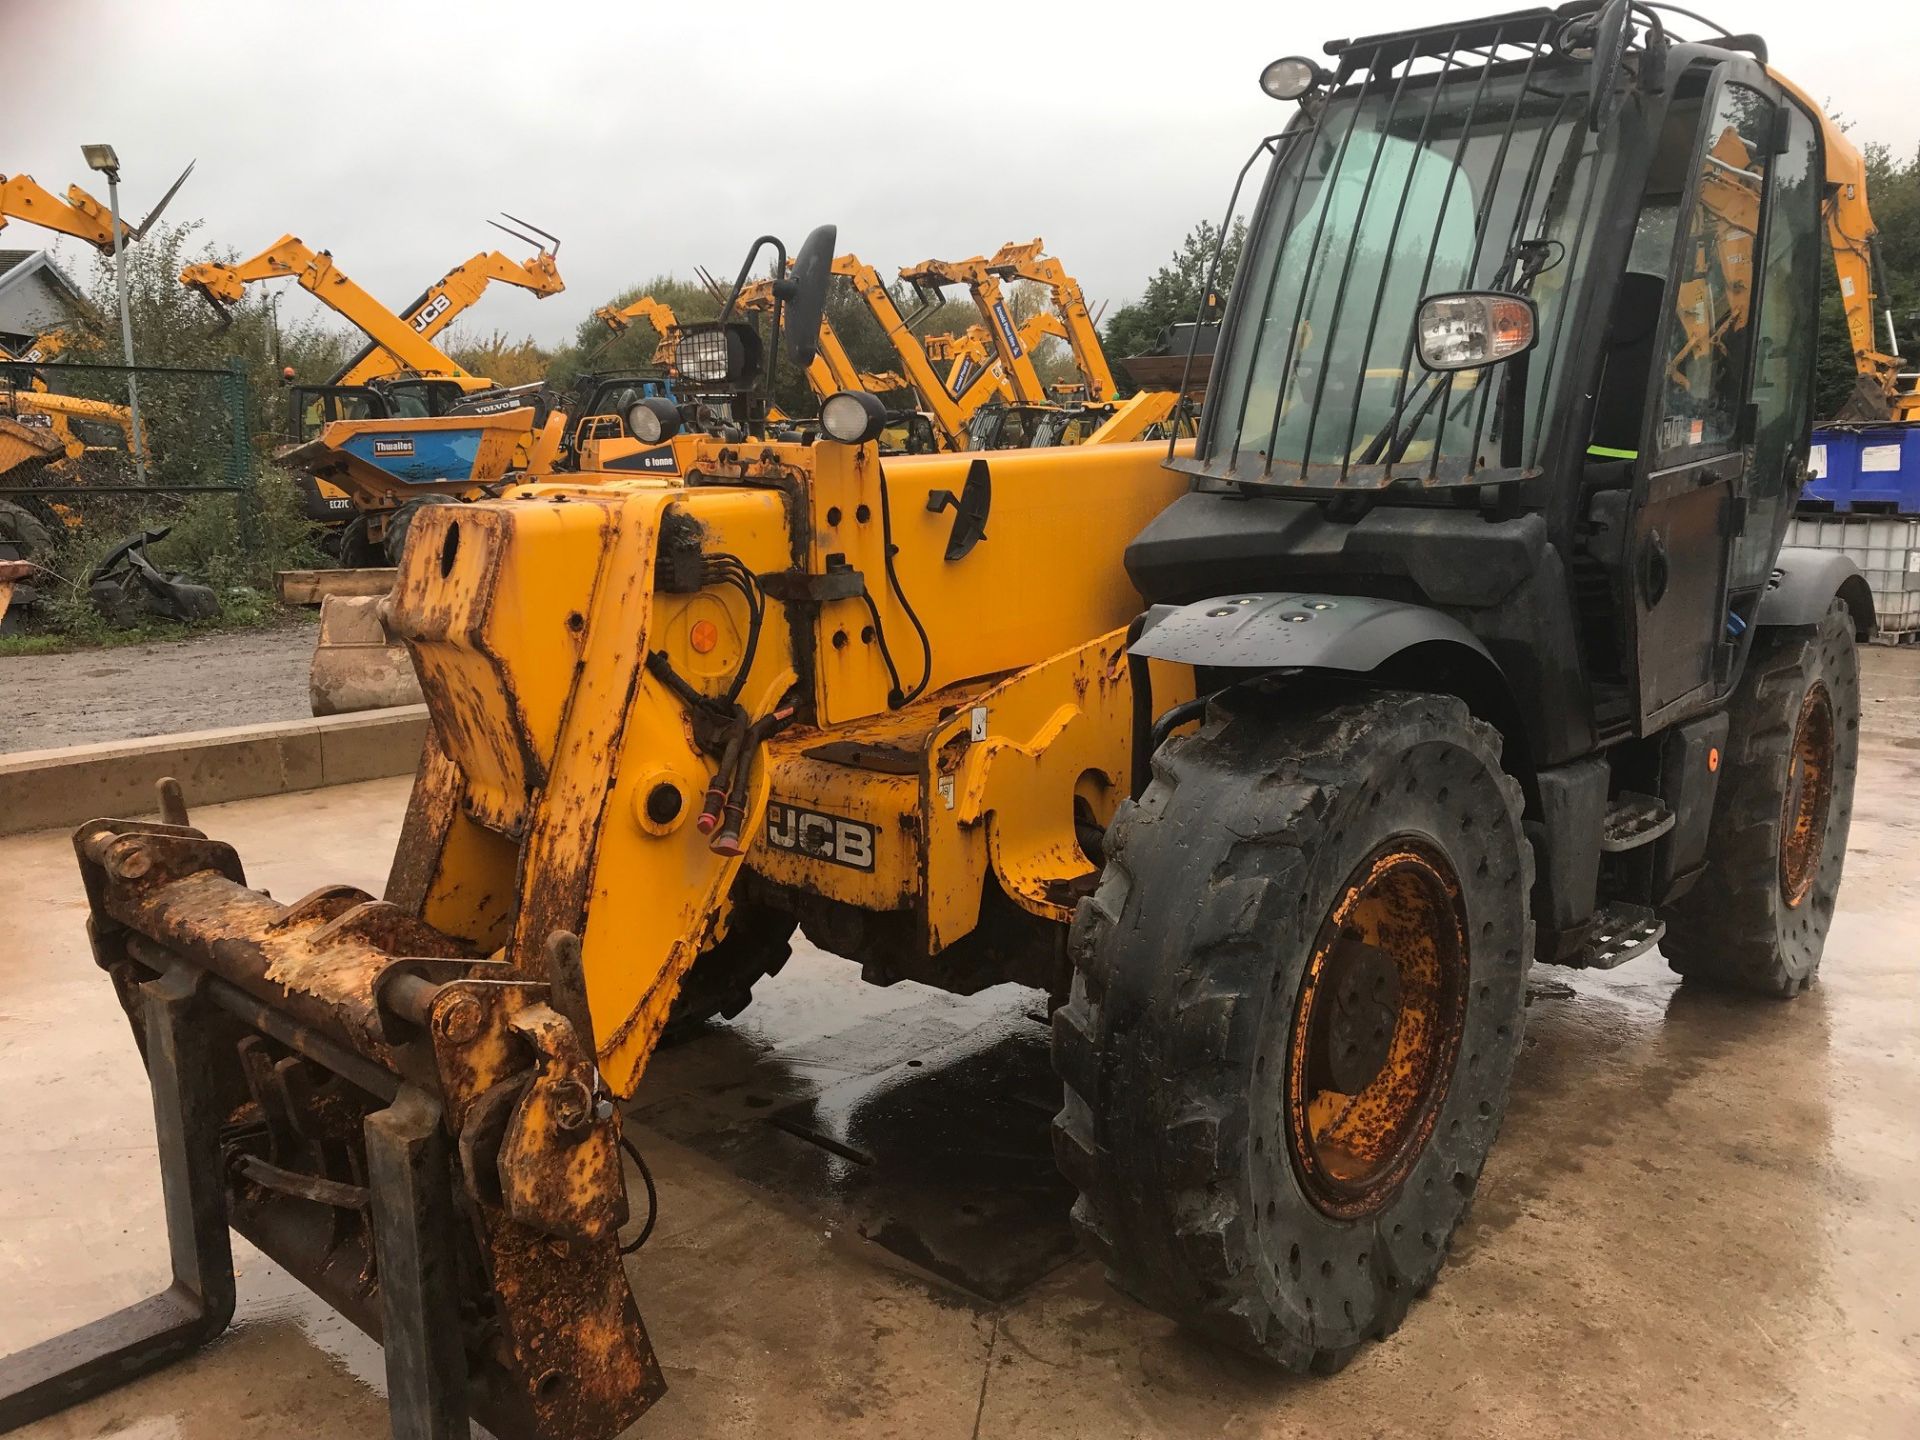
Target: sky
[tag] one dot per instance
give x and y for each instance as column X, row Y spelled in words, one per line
column 655, row 138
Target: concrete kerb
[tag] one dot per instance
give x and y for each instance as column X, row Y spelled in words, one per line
column 47, row 789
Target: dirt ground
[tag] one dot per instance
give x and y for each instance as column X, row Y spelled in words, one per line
column 233, row 677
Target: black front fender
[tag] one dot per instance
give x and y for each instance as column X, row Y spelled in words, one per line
column 1400, row 645
column 1267, row 630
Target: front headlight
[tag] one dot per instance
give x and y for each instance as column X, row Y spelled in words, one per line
column 653, row 420
column 853, row 417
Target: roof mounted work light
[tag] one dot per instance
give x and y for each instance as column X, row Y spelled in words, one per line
column 1292, row 77
column 717, row 354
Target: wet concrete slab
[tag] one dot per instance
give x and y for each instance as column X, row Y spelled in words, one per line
column 925, row 1126
column 1703, row 1216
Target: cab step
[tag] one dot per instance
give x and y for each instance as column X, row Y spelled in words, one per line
column 1634, row 820
column 1620, row 932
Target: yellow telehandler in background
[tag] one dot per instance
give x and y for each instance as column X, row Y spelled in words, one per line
column 459, row 431
column 1031, row 414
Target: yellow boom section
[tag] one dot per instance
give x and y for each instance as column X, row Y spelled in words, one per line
column 317, row 274
column 1026, row 262
column 1854, row 236
column 451, row 296
column 656, row 313
column 79, row 215
column 62, row 410
column 949, row 412
column 983, row 284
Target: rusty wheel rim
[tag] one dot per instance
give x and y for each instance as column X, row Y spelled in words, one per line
column 1808, row 797
column 1377, row 1028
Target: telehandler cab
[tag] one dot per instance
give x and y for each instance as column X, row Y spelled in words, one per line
column 1460, row 638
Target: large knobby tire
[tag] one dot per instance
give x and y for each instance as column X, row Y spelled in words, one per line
column 719, row 984
column 1757, row 919
column 23, row 534
column 402, row 524
column 358, row 550
column 1200, row 1123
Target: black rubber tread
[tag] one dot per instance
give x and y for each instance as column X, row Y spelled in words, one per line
column 1187, row 963
column 24, row 534
column 1734, row 929
column 357, row 552
column 401, row 523
column 719, row 984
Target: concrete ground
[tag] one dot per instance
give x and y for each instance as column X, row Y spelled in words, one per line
column 1700, row 1219
column 122, row 692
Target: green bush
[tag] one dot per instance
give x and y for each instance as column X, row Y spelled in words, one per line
column 208, row 540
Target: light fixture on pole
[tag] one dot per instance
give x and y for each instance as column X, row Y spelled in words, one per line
column 103, row 159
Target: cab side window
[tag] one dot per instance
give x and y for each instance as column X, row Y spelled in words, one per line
column 1710, row 338
column 1785, row 336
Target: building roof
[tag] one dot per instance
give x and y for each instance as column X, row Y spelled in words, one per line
column 18, row 266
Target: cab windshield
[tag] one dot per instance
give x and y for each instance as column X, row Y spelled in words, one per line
column 1400, row 191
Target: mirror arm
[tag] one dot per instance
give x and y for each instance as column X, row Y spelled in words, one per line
column 1513, row 410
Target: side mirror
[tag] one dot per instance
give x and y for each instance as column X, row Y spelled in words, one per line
column 1475, row 328
column 812, row 273
column 970, row 510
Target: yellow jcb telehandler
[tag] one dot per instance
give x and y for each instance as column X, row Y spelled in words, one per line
column 1460, row 639
column 401, row 420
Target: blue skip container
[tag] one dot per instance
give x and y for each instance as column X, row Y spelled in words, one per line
column 1869, row 469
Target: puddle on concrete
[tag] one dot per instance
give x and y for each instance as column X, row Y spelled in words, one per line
column 919, row 1119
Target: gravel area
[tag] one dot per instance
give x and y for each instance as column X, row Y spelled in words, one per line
column 234, row 677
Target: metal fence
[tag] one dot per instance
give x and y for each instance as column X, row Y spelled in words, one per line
column 116, row 443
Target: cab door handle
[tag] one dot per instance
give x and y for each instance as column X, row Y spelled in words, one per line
column 1654, row 568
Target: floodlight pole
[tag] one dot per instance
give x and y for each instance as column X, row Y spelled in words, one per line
column 126, row 325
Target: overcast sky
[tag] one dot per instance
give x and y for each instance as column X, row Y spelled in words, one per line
column 653, row 138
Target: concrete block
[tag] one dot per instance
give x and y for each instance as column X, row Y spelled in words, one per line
column 372, row 744
column 310, row 587
column 47, row 789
